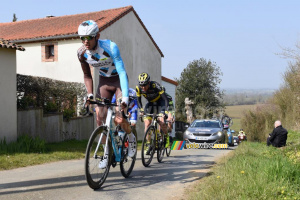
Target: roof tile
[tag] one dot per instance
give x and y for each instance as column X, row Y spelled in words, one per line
column 63, row 25
column 9, row 45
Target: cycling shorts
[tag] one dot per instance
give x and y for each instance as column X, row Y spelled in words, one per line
column 155, row 107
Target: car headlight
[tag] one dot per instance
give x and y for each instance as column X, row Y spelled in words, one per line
column 219, row 133
column 188, row 133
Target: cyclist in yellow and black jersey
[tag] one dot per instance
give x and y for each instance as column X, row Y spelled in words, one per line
column 157, row 100
column 153, row 92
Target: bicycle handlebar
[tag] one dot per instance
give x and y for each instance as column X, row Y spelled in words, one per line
column 101, row 102
column 155, row 116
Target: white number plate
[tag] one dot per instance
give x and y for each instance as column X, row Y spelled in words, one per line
column 201, row 138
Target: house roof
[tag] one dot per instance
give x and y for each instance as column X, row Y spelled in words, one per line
column 169, row 80
column 9, row 45
column 63, row 26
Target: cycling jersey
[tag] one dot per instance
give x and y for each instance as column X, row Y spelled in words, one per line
column 153, row 94
column 106, row 58
column 132, row 105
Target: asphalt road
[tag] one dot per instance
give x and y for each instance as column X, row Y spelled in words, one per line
column 66, row 180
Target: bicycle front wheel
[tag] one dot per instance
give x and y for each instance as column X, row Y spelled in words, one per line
column 95, row 175
column 127, row 163
column 148, row 146
column 161, row 147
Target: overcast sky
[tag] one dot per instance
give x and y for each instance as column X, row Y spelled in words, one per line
column 243, row 37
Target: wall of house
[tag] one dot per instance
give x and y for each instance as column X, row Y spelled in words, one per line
column 170, row 89
column 67, row 68
column 52, row 128
column 8, row 87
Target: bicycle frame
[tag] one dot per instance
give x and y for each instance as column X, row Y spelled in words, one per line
column 117, row 150
column 154, row 123
column 156, row 133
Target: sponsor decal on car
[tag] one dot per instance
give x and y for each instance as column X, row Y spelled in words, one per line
column 206, row 146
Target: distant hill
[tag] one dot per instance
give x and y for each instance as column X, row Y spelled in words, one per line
column 248, row 91
column 246, row 96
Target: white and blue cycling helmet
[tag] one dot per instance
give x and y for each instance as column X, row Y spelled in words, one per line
column 88, row 28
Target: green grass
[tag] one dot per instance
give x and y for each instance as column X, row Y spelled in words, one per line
column 67, row 150
column 28, row 151
column 254, row 171
column 236, row 113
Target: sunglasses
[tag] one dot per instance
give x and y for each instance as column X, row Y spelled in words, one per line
column 88, row 38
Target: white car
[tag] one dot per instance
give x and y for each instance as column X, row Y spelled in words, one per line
column 205, row 131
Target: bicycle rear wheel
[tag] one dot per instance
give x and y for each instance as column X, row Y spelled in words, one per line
column 161, row 147
column 127, row 163
column 168, row 150
column 148, row 146
column 94, row 175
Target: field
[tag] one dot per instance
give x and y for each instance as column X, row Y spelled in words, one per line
column 236, row 113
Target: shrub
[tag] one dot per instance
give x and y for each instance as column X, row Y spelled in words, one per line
column 50, row 107
column 68, row 114
column 51, row 95
column 259, row 123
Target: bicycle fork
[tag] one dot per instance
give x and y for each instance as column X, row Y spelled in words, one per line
column 104, row 146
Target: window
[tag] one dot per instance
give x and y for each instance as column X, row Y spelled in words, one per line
column 49, row 52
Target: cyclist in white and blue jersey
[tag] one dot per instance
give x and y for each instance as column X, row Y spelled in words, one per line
column 104, row 55
column 132, row 106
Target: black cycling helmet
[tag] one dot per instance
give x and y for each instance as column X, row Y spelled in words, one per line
column 144, row 79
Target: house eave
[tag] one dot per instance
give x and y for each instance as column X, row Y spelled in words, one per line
column 59, row 37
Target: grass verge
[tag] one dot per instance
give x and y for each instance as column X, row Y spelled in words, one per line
column 254, row 171
column 33, row 151
column 51, row 152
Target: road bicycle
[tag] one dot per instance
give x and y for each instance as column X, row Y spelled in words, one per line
column 107, row 138
column 154, row 140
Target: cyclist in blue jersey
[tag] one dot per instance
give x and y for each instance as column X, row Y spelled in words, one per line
column 132, row 107
column 104, row 55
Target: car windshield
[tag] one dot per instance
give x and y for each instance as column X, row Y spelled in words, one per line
column 208, row 124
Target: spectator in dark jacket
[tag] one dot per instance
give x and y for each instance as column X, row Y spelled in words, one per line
column 278, row 137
